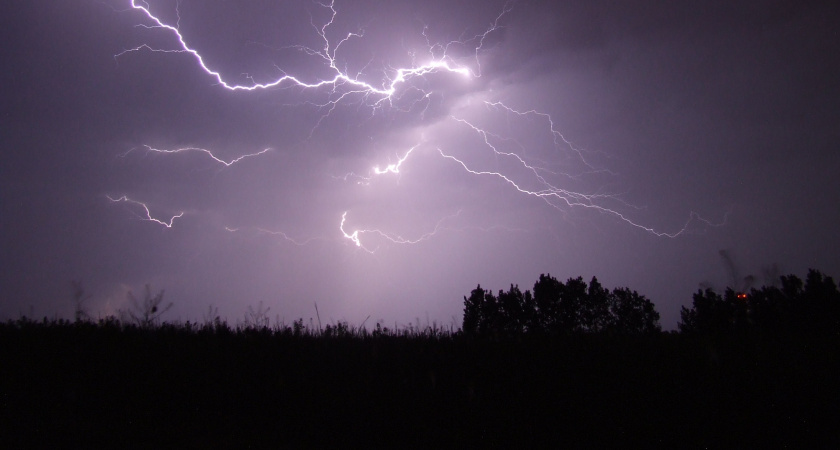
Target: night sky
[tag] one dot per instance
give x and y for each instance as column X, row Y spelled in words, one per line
column 632, row 141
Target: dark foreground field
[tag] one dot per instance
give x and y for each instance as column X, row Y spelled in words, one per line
column 83, row 385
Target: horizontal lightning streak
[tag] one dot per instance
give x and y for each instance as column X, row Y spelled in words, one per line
column 282, row 234
column 555, row 134
column 327, row 53
column 201, row 150
column 287, row 237
column 486, row 137
column 148, row 216
column 393, row 238
column 574, row 199
column 549, row 188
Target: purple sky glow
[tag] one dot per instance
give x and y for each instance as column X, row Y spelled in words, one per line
column 381, row 158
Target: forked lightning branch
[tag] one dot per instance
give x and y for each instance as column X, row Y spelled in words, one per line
column 345, row 87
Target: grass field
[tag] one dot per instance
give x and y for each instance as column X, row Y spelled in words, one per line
column 109, row 384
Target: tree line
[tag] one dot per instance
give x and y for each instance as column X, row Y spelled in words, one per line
column 810, row 307
column 556, row 308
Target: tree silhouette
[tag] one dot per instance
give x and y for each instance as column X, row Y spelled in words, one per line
column 508, row 313
column 572, row 298
column 810, row 307
column 596, row 315
column 547, row 292
column 472, row 310
column 558, row 308
column 712, row 313
column 512, row 311
column 632, row 313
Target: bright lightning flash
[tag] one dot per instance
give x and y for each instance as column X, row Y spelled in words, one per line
column 327, row 53
column 394, row 168
column 341, row 86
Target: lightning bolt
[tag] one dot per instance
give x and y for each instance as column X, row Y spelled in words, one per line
column 556, row 135
column 354, row 236
column 554, row 196
column 327, row 53
column 340, row 86
column 393, row 238
column 284, row 235
column 551, row 195
column 148, row 216
column 376, row 170
column 200, row 150
column 394, row 168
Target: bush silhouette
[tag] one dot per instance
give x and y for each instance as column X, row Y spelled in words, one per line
column 147, row 313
